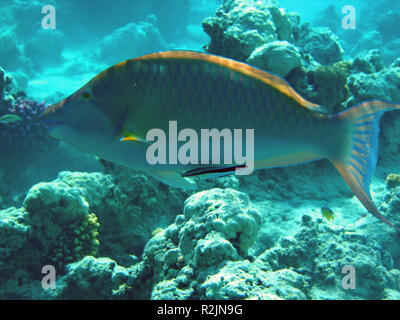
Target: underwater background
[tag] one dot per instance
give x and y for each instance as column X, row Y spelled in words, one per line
column 113, row 233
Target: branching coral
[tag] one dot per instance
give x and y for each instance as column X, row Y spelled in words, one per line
column 22, row 144
column 27, row 135
column 61, row 222
column 80, row 240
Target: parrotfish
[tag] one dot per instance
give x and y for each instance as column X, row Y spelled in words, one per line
column 110, row 116
column 9, row 118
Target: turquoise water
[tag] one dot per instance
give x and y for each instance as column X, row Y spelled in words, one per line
column 75, row 226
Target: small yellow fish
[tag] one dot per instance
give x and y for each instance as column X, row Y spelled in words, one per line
column 327, row 213
column 8, row 118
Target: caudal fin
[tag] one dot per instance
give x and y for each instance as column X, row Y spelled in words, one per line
column 358, row 161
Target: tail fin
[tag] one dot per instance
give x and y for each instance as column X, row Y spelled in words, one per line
column 358, row 162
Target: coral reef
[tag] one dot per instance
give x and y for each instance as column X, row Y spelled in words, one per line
column 317, row 84
column 54, row 227
column 393, row 180
column 15, row 135
column 305, row 265
column 263, row 35
column 103, row 278
column 92, row 278
column 240, row 27
column 56, row 224
column 319, row 252
column 14, row 240
column 391, row 199
column 6, row 98
column 216, row 226
column 201, row 256
column 129, row 203
column 367, row 62
column 123, row 43
column 209, row 252
column 321, row 43
column 279, row 57
column 375, row 31
column 23, row 142
column 125, row 204
column 61, row 223
column 328, row 79
column 381, row 84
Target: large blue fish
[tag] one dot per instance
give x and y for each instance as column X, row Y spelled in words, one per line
column 110, row 116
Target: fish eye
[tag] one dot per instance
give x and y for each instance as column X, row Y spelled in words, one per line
column 86, row 94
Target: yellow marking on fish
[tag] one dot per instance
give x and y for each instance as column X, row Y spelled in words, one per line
column 131, row 137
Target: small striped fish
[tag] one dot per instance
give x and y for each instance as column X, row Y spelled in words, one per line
column 10, row 118
column 110, row 116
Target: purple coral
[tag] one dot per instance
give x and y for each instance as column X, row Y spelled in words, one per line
column 28, row 135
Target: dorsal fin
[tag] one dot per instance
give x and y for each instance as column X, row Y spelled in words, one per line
column 270, row 79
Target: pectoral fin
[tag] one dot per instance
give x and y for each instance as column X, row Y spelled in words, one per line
column 174, row 179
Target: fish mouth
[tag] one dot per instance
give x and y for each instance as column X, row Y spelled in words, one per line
column 46, row 116
column 52, row 109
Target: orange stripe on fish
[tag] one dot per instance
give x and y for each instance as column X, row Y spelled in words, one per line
column 358, row 165
column 369, row 110
column 360, row 192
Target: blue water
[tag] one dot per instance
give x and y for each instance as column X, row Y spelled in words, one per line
column 65, row 208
